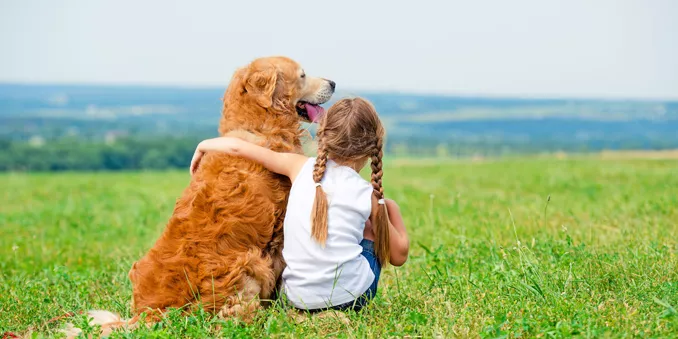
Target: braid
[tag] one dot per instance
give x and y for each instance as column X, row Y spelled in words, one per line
column 381, row 223
column 319, row 212
column 377, row 171
column 320, row 161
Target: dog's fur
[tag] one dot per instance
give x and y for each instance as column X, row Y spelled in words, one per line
column 222, row 247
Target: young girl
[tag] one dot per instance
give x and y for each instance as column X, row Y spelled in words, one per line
column 336, row 243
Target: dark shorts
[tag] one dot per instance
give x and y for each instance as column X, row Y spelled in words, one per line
column 361, row 301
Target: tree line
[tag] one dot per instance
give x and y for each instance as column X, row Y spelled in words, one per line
column 162, row 152
column 73, row 154
column 159, row 152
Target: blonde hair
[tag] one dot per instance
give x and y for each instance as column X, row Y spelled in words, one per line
column 351, row 133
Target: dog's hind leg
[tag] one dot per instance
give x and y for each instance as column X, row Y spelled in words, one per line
column 245, row 304
column 274, row 251
column 256, row 283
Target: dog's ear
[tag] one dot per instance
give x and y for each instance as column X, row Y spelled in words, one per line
column 260, row 84
column 236, row 86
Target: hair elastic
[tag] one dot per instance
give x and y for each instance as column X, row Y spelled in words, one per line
column 317, row 184
column 381, row 201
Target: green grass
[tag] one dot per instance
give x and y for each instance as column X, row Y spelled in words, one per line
column 491, row 256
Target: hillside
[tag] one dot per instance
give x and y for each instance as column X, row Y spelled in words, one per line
column 54, row 126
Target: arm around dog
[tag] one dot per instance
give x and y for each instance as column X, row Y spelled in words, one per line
column 287, row 164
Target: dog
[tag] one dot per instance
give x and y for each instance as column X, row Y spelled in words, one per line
column 222, row 246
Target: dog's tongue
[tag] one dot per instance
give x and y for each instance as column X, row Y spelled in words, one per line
column 314, row 111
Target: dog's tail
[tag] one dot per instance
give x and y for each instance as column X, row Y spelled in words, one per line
column 108, row 321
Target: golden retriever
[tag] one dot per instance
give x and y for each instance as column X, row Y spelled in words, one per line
column 222, row 247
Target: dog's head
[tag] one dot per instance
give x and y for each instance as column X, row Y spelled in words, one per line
column 281, row 85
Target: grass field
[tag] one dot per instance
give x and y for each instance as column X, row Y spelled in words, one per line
column 511, row 248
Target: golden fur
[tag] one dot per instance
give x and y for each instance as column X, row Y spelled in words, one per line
column 222, row 245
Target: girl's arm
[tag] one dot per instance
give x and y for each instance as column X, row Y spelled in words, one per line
column 288, row 164
column 399, row 242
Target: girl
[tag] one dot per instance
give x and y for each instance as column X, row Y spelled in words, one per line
column 336, row 244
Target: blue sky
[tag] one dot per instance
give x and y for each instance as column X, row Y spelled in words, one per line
column 601, row 48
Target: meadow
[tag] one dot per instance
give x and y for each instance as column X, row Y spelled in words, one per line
column 513, row 248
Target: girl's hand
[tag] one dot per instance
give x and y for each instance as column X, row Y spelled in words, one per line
column 195, row 161
column 222, row 144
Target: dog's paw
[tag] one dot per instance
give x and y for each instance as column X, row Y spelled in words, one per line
column 242, row 311
column 334, row 315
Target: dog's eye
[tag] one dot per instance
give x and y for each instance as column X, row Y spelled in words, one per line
column 303, row 75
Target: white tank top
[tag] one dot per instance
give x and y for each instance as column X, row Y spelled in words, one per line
column 317, row 277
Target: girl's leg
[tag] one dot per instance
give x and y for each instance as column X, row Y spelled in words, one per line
column 358, row 304
column 368, row 253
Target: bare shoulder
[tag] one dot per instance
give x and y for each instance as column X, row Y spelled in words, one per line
column 295, row 159
column 391, row 204
column 295, row 162
column 394, row 214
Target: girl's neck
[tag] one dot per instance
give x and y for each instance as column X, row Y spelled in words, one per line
column 356, row 165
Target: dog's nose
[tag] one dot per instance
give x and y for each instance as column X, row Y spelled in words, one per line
column 332, row 84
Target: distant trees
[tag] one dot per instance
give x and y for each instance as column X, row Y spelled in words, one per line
column 158, row 152
column 76, row 154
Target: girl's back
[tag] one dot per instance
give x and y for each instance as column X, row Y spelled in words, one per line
column 313, row 270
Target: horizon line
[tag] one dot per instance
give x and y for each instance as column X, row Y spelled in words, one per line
column 467, row 95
